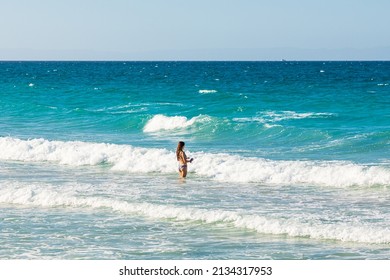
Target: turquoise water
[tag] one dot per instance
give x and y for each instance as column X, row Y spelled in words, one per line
column 292, row 160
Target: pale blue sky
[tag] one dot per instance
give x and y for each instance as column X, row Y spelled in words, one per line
column 194, row 29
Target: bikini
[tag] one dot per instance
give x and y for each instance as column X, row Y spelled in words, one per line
column 182, row 166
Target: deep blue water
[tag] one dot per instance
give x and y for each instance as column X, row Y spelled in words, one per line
column 284, row 110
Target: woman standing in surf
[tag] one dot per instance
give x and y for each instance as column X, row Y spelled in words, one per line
column 182, row 159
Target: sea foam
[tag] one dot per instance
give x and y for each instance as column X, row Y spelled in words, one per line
column 206, row 91
column 165, row 123
column 278, row 116
column 49, row 196
column 161, row 122
column 221, row 167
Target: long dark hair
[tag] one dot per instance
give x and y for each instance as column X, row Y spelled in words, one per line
column 179, row 148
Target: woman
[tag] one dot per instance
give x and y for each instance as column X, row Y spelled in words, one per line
column 182, row 159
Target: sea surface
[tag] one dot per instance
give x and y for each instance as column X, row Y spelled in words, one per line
column 291, row 160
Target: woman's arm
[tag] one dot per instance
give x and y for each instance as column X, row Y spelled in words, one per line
column 188, row 159
column 182, row 158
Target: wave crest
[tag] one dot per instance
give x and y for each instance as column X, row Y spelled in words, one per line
column 205, row 91
column 221, row 167
column 279, row 116
column 47, row 196
column 162, row 122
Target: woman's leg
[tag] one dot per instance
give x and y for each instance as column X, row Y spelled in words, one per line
column 183, row 172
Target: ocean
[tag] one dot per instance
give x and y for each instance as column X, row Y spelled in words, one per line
column 291, row 160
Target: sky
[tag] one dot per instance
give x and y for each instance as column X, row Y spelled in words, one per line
column 194, row 30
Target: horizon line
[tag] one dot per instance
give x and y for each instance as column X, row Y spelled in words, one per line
column 193, row 60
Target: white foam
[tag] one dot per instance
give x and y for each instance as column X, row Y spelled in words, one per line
column 221, row 167
column 336, row 173
column 162, row 122
column 271, row 125
column 206, row 91
column 49, row 196
column 76, row 153
column 277, row 116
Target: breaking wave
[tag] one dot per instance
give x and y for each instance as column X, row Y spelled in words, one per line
column 49, row 196
column 278, row 116
column 162, row 122
column 221, row 167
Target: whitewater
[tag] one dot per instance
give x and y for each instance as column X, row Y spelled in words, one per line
column 291, row 160
column 223, row 167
